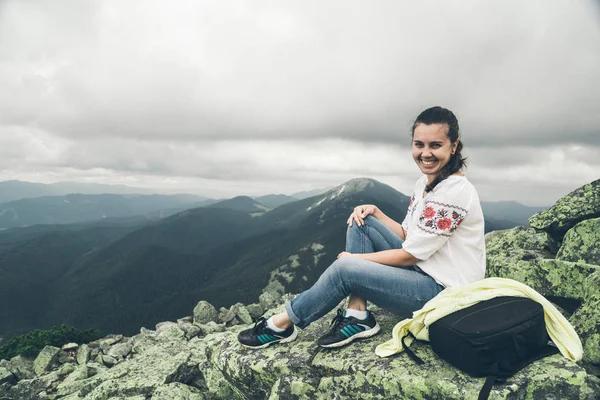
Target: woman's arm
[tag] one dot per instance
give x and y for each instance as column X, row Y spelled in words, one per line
column 394, row 258
column 390, row 223
column 361, row 212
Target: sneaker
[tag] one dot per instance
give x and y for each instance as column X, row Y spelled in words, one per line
column 346, row 329
column 262, row 336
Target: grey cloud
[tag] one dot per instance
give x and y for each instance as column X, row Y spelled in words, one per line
column 157, row 89
column 276, row 71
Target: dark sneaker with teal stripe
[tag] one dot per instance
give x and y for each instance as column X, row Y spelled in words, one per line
column 261, row 336
column 346, row 329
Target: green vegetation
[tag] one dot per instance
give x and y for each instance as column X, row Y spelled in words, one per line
column 30, row 343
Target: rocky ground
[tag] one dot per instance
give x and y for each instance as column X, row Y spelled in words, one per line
column 198, row 357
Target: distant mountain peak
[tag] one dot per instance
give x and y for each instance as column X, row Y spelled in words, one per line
column 350, row 188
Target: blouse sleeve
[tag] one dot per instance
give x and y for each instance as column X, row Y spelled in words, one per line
column 408, row 214
column 442, row 215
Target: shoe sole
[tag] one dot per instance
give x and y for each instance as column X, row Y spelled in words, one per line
column 288, row 339
column 362, row 335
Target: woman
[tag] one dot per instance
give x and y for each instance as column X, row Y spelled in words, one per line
column 399, row 267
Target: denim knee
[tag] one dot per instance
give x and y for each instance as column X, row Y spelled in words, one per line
column 340, row 271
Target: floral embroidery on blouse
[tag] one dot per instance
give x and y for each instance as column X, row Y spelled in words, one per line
column 441, row 219
column 411, row 209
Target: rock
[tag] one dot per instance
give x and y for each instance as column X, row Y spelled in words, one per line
column 241, row 313
column 168, row 360
column 109, row 361
column 255, row 310
column 94, row 368
column 177, row 391
column 70, row 346
column 267, row 300
column 6, row 376
column 579, row 205
column 146, row 331
column 586, row 320
column 183, row 320
column 64, row 358
column 108, row 341
column 226, row 316
column 517, row 244
column 519, row 254
column 301, row 370
column 161, row 326
column 66, row 370
column 79, row 373
column 45, row 359
column 190, row 329
column 22, row 367
column 83, row 354
column 582, row 243
column 50, row 379
column 120, row 350
column 94, row 353
column 98, row 359
column 275, row 288
column 172, row 331
column 30, row 389
column 210, row 327
column 204, row 312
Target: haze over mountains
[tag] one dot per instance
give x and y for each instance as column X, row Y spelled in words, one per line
column 135, row 264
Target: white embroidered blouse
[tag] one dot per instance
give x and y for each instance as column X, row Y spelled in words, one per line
column 445, row 230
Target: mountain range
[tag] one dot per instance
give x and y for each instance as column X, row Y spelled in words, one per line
column 118, row 274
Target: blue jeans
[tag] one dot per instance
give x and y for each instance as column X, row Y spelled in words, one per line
column 401, row 290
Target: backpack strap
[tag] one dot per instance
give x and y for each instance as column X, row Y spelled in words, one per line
column 408, row 351
column 495, row 374
column 484, row 393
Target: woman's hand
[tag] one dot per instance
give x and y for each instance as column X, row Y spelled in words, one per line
column 346, row 254
column 360, row 213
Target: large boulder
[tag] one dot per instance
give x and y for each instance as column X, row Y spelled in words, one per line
column 22, row 367
column 44, row 361
column 6, row 376
column 586, row 320
column 523, row 254
column 582, row 243
column 205, row 312
column 579, row 205
column 301, row 370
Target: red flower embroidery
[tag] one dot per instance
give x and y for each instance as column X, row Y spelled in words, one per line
column 444, row 223
column 459, row 222
column 429, row 212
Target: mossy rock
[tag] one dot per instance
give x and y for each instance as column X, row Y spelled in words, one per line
column 301, row 370
column 586, row 320
column 579, row 205
column 582, row 243
column 519, row 243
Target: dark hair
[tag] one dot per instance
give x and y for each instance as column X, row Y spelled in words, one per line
column 440, row 115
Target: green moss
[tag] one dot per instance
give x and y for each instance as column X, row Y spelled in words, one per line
column 579, row 205
column 582, row 243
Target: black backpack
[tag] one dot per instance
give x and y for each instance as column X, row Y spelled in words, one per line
column 493, row 338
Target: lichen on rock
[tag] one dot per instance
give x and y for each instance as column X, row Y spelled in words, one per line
column 581, row 204
column 582, row 243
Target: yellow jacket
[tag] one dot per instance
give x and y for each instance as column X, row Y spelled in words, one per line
column 453, row 299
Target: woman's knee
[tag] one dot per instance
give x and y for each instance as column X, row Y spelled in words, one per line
column 343, row 268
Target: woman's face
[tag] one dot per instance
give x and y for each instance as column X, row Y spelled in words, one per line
column 431, row 148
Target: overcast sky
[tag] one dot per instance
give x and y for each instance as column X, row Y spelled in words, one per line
column 253, row 97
